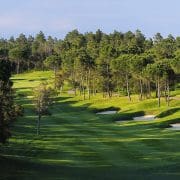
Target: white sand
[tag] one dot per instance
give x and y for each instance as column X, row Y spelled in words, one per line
column 145, row 118
column 140, row 118
column 175, row 126
column 123, row 121
column 107, row 112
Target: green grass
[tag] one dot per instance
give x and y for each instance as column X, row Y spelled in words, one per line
column 75, row 143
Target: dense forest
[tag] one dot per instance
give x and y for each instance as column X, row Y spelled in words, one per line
column 98, row 62
column 119, row 63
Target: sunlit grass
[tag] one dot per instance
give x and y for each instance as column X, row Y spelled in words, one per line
column 75, row 143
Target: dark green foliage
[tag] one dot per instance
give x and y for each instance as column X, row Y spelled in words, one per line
column 92, row 62
column 8, row 110
column 112, row 108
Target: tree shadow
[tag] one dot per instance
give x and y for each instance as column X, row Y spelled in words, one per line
column 111, row 108
column 168, row 112
column 167, row 124
column 75, row 143
column 126, row 116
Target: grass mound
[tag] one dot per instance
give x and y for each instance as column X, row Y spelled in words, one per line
column 168, row 112
column 111, row 108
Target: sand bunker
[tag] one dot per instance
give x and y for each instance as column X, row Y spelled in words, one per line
column 107, row 112
column 140, row 118
column 145, row 118
column 175, row 126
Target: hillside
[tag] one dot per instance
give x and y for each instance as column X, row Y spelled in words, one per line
column 76, row 143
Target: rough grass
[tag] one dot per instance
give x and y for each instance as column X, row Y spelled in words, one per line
column 75, row 143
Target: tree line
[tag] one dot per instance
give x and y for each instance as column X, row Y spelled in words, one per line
column 116, row 63
column 120, row 63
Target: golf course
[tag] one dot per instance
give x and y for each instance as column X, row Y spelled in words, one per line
column 75, row 142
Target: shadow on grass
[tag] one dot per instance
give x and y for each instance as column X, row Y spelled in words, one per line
column 111, row 108
column 123, row 116
column 168, row 112
column 166, row 124
column 23, row 92
column 77, row 144
column 18, row 79
column 20, row 169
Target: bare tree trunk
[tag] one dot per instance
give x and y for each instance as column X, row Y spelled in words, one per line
column 165, row 91
column 119, row 91
column 75, row 91
column 80, row 90
column 159, row 92
column 93, row 87
column 89, row 91
column 84, row 93
column 18, row 67
column 74, row 81
column 127, row 86
column 81, row 85
column 141, row 90
column 55, row 76
column 108, row 84
column 55, row 71
column 168, row 93
column 28, row 65
column 156, row 89
column 83, row 88
column 104, row 94
column 61, row 89
column 149, row 88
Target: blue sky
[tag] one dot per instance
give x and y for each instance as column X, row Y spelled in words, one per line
column 57, row 17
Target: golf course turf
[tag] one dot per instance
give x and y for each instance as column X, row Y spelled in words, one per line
column 76, row 143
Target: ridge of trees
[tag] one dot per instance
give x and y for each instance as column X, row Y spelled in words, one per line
column 123, row 63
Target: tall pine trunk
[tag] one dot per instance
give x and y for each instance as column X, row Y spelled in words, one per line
column 127, row 87
column 89, row 91
column 28, row 65
column 168, row 93
column 149, row 88
column 18, row 66
column 156, row 89
column 55, row 76
column 141, row 90
column 159, row 92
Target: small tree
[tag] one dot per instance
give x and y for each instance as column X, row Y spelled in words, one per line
column 43, row 99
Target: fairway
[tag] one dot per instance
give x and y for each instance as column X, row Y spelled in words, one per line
column 76, row 143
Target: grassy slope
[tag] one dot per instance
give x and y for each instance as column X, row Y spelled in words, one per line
column 75, row 143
